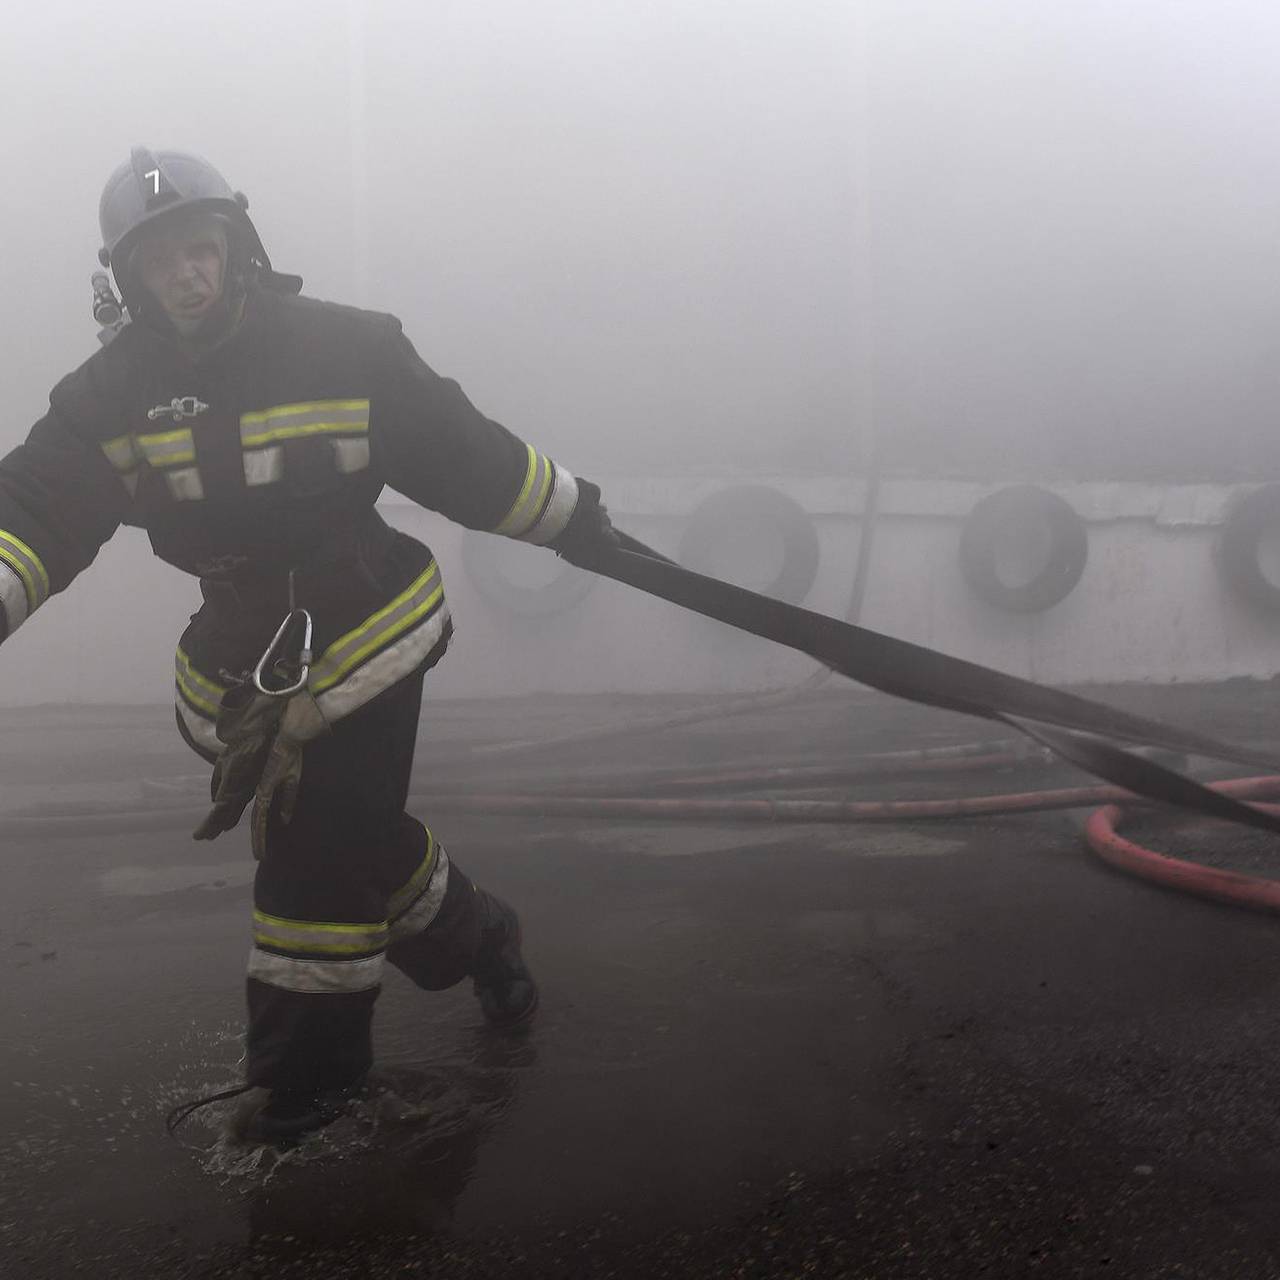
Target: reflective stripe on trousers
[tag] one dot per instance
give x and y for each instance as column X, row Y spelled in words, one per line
column 319, row 957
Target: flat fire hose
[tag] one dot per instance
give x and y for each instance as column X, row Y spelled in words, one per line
column 1078, row 729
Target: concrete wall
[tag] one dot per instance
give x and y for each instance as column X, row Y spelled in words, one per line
column 1151, row 606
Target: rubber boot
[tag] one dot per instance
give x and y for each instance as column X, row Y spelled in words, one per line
column 272, row 1117
column 503, row 984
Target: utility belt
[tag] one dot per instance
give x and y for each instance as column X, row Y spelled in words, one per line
column 320, row 575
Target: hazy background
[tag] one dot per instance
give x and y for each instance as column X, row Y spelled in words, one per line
column 720, row 235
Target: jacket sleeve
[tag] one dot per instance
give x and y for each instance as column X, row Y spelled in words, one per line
column 60, row 500
column 435, row 447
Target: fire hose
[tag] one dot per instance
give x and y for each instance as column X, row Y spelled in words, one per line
column 1080, row 731
column 586, row 802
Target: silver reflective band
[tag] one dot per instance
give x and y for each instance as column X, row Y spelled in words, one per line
column 417, row 601
column 121, row 453
column 564, row 497
column 203, row 732
column 124, row 457
column 263, row 466
column 320, row 977
column 184, row 484
column 407, row 894
column 201, row 692
column 17, row 556
column 427, row 907
column 393, row 663
column 13, row 598
column 351, row 455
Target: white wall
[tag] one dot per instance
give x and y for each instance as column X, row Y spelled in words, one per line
column 1151, row 605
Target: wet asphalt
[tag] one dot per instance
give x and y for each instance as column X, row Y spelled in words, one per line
column 942, row 1049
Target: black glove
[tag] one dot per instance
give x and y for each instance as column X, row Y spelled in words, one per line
column 589, row 537
column 247, row 722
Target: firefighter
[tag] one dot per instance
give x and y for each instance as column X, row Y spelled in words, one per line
column 250, row 429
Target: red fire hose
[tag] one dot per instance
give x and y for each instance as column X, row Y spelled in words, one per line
column 1229, row 887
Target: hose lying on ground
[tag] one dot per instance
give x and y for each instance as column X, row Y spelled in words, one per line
column 1233, row 888
column 585, row 803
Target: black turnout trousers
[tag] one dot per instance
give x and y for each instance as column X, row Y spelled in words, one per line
column 351, row 882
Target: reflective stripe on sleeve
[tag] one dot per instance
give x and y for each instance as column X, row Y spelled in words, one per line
column 424, row 909
column 304, row 939
column 531, row 498
column 559, row 507
column 13, row 598
column 28, row 566
column 317, row 977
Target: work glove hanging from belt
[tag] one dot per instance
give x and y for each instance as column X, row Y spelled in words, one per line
column 589, row 537
column 282, row 773
column 263, row 759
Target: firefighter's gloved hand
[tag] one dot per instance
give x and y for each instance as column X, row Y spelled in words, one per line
column 589, row 537
column 247, row 723
column 281, row 774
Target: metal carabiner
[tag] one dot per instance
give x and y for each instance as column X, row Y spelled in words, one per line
column 275, row 657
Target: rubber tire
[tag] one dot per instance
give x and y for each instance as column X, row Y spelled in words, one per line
column 756, row 504
column 486, row 558
column 998, row 517
column 1248, row 520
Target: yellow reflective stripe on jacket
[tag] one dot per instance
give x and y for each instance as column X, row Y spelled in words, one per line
column 168, row 448
column 314, row 937
column 556, row 511
column 290, row 421
column 422, row 911
column 197, row 689
column 122, row 453
column 28, row 566
column 404, row 897
column 415, row 602
column 533, row 493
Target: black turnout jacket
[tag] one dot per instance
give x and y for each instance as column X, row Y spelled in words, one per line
column 262, row 457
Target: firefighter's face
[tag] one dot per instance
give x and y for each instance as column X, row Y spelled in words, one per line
column 182, row 263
